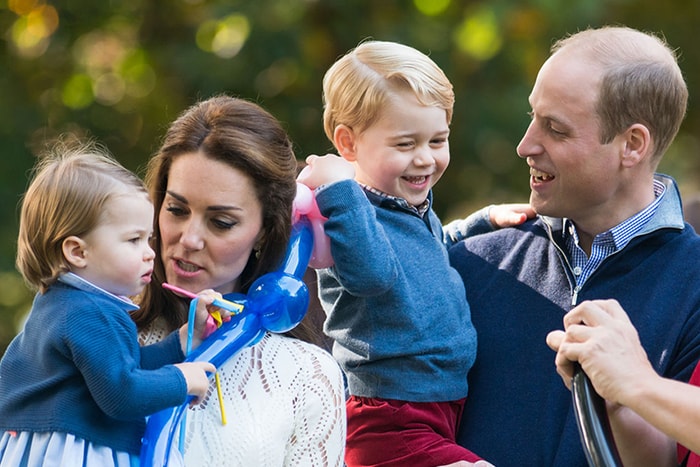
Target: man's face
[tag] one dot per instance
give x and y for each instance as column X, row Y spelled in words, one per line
column 572, row 174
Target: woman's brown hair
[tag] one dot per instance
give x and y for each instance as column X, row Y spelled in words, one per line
column 248, row 138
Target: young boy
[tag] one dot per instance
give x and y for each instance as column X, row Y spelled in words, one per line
column 396, row 309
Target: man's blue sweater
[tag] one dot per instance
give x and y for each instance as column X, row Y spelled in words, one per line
column 396, row 309
column 519, row 285
column 77, row 368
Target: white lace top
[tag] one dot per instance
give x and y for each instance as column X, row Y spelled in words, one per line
column 284, row 403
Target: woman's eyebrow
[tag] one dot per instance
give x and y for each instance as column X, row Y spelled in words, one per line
column 215, row 207
column 223, row 208
column 178, row 197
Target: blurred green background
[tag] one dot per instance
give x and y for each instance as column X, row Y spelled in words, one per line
column 119, row 71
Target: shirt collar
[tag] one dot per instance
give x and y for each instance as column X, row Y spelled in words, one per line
column 420, row 209
column 623, row 232
column 78, row 282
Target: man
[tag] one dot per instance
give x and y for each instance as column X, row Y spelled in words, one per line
column 605, row 107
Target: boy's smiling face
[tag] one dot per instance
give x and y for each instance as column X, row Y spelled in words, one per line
column 405, row 151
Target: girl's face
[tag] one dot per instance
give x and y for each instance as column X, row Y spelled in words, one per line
column 116, row 255
column 210, row 221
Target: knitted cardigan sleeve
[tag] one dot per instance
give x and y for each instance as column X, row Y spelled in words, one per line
column 102, row 342
column 165, row 352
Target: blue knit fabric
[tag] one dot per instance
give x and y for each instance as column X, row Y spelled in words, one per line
column 76, row 367
column 396, row 309
column 519, row 285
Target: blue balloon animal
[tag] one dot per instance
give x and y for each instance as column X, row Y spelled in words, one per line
column 276, row 302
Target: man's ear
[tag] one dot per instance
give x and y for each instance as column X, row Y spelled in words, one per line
column 74, row 250
column 638, row 146
column 344, row 141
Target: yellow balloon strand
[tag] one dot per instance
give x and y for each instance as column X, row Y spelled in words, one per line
column 217, row 317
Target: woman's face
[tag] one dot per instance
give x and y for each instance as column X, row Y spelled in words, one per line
column 210, row 221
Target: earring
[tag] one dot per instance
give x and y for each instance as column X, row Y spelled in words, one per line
column 257, row 253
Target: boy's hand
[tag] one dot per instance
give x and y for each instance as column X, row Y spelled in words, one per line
column 323, row 170
column 481, row 463
column 509, row 215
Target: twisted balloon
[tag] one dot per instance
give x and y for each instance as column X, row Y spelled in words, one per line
column 276, row 302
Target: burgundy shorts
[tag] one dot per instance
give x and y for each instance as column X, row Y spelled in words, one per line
column 385, row 432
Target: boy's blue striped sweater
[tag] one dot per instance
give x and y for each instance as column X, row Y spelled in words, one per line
column 396, row 309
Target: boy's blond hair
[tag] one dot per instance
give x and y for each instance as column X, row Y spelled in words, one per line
column 357, row 86
column 66, row 195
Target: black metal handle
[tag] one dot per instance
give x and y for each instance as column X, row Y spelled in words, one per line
column 593, row 423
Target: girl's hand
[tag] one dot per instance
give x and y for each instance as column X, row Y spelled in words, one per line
column 195, row 374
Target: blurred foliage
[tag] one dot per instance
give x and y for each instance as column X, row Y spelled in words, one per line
column 119, row 71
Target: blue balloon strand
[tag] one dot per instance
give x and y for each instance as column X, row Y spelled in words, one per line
column 276, row 302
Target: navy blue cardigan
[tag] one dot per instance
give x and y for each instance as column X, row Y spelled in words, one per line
column 519, row 286
column 77, row 368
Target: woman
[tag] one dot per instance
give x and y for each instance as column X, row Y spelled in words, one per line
column 222, row 184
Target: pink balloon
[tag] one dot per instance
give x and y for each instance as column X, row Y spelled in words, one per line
column 305, row 205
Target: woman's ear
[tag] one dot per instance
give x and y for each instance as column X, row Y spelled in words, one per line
column 344, row 141
column 74, row 250
column 638, row 145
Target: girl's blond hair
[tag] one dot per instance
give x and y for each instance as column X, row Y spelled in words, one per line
column 66, row 195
